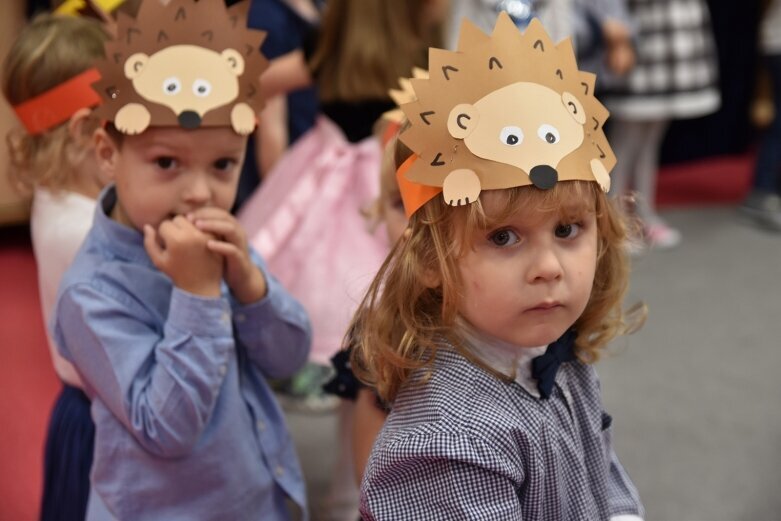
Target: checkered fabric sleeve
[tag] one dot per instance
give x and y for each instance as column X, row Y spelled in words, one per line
column 441, row 475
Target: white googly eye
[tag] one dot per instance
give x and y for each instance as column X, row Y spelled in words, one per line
column 172, row 85
column 548, row 133
column 202, row 88
column 511, row 136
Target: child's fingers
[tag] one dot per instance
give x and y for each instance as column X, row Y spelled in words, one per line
column 152, row 246
column 210, row 212
column 226, row 249
column 228, row 230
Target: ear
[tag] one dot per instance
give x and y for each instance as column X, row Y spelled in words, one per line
column 106, row 153
column 76, row 123
column 234, row 60
column 574, row 107
column 135, row 64
column 462, row 120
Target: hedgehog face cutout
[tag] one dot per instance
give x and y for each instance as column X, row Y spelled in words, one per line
column 525, row 125
column 509, row 109
column 189, row 63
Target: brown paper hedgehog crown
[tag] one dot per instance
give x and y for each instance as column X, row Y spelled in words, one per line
column 506, row 109
column 189, row 63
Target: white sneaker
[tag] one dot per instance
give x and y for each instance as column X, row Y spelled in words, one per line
column 662, row 237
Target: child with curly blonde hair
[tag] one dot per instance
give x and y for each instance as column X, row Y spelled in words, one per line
column 481, row 328
column 46, row 79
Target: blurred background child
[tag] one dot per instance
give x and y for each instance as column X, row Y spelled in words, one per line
column 307, row 218
column 763, row 204
column 46, row 79
column 675, row 77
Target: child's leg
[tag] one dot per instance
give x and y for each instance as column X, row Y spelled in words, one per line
column 342, row 500
column 626, row 139
column 646, row 170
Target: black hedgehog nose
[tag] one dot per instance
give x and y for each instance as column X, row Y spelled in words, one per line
column 544, row 177
column 189, row 119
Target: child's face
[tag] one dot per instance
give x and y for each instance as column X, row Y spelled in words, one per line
column 529, row 278
column 165, row 172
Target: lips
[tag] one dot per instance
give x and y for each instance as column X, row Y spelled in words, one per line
column 546, row 306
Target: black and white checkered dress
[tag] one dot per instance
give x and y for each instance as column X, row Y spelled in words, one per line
column 466, row 445
column 676, row 72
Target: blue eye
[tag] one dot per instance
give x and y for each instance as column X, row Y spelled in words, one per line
column 503, row 238
column 567, row 231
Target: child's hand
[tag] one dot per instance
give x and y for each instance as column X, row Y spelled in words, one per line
column 179, row 249
column 242, row 276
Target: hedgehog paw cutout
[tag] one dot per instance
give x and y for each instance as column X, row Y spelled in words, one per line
column 132, row 119
column 600, row 174
column 243, row 119
column 461, row 187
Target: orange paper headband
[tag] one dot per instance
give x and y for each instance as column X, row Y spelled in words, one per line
column 413, row 195
column 57, row 105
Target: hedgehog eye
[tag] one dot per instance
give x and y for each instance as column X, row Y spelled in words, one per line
column 548, row 133
column 202, row 88
column 512, row 136
column 172, row 85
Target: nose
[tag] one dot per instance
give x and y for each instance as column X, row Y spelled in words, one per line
column 189, row 119
column 544, row 177
column 545, row 266
column 198, row 191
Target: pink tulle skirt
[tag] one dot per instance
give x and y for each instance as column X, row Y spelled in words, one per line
column 306, row 222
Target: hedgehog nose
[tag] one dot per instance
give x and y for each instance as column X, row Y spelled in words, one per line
column 544, row 177
column 189, row 119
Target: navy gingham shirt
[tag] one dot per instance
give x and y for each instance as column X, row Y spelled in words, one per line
column 186, row 425
column 463, row 444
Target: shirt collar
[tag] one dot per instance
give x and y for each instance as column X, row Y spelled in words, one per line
column 123, row 241
column 513, row 361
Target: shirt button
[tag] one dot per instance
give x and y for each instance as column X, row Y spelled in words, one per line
column 241, row 317
column 261, row 426
column 223, row 369
column 279, row 471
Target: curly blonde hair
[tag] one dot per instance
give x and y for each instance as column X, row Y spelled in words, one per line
column 50, row 50
column 412, row 303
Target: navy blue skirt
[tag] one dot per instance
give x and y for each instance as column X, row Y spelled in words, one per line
column 68, row 458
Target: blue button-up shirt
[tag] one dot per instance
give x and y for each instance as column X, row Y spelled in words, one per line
column 186, row 426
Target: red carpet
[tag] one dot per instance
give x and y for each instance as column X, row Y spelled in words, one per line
column 28, row 385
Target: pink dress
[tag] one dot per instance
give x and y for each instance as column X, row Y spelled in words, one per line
column 305, row 220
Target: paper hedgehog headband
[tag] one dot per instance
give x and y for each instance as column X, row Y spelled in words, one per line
column 506, row 109
column 188, row 63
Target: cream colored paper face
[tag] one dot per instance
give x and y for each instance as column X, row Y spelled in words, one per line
column 523, row 125
column 183, row 63
column 169, row 78
column 512, row 109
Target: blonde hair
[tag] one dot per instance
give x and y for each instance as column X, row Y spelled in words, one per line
column 49, row 51
column 366, row 45
column 412, row 303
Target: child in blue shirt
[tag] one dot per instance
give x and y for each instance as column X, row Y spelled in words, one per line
column 171, row 320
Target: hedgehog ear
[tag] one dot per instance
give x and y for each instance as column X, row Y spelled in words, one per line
column 235, row 61
column 462, row 120
column 574, row 107
column 135, row 64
